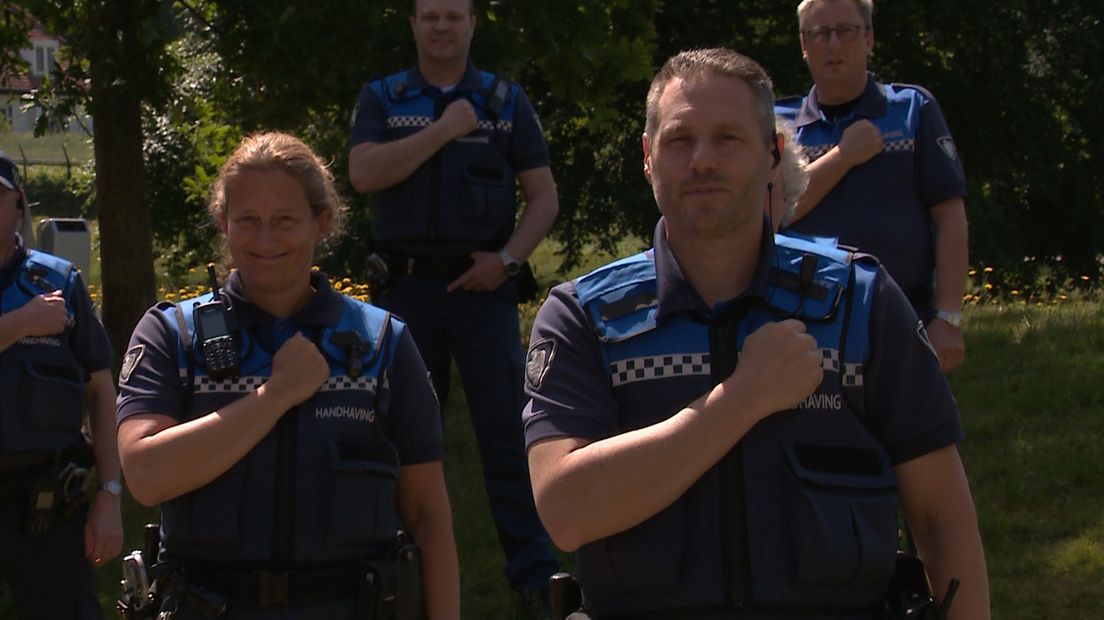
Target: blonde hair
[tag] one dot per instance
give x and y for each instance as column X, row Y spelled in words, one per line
column 281, row 151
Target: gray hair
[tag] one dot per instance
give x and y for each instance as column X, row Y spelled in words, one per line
column 866, row 11
column 795, row 176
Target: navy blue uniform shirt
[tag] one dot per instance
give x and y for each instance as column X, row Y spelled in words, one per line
column 89, row 342
column 411, row 420
column 881, row 206
column 908, row 408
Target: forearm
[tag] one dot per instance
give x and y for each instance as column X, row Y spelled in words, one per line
column 163, row 460
column 376, row 166
column 440, row 566
column 952, row 253
column 940, row 510
column 534, row 224
column 956, row 552
column 100, row 400
column 824, row 174
column 425, row 512
column 585, row 492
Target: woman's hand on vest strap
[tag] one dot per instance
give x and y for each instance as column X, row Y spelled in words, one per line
column 44, row 315
column 780, row 365
column 298, row 370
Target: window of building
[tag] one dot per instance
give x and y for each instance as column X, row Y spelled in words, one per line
column 44, row 58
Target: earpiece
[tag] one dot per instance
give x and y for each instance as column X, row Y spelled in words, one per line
column 774, row 150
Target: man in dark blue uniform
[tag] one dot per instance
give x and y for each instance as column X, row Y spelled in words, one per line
column 55, row 359
column 885, row 175
column 720, row 426
column 439, row 146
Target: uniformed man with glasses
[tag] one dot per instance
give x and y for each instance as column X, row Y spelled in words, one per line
column 884, row 174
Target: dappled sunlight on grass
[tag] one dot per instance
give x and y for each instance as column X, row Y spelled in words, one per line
column 1082, row 555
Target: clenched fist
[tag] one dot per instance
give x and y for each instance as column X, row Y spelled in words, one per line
column 780, row 365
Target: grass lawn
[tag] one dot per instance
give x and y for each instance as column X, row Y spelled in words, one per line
column 52, row 147
column 1033, row 409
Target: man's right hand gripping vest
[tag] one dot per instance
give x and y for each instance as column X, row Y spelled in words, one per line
column 802, row 512
column 40, row 378
column 465, row 192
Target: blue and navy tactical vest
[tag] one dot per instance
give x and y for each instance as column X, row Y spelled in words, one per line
column 882, row 195
column 322, row 484
column 801, row 514
column 42, row 381
column 462, row 198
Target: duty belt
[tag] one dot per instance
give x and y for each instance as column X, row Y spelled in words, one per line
column 448, row 268
column 276, row 588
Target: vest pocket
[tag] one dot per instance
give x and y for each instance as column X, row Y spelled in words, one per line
column 211, row 515
column 51, row 396
column 646, row 559
column 844, row 518
column 362, row 508
column 487, row 197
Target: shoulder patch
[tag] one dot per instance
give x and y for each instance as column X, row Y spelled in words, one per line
column 130, row 362
column 537, row 363
column 353, row 117
column 947, row 144
column 922, row 334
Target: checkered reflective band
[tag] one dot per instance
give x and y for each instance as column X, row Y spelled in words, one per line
column 685, row 364
column 243, row 385
column 658, row 367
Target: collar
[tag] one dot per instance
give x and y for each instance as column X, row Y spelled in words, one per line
column 323, row 309
column 872, row 104
column 675, row 292
column 471, row 81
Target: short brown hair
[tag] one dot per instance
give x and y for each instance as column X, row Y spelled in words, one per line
column 720, row 61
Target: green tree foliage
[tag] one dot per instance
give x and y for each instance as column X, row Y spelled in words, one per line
column 113, row 61
column 1015, row 80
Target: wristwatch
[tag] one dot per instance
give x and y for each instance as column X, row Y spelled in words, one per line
column 953, row 319
column 114, row 487
column 511, row 265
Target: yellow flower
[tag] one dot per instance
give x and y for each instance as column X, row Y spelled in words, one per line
column 972, row 272
column 988, row 270
column 1015, row 292
column 988, row 286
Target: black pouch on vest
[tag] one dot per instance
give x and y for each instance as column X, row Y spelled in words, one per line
column 42, row 503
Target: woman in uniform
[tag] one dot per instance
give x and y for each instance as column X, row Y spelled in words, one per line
column 288, row 432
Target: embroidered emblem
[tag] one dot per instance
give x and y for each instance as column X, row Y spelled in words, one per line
column 537, row 363
column 130, row 362
column 948, row 146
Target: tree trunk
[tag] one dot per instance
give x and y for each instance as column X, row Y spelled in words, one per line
column 126, row 246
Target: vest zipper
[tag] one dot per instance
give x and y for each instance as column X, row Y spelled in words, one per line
column 724, row 337
column 283, row 530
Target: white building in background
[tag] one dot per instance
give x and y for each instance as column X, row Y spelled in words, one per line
column 42, row 58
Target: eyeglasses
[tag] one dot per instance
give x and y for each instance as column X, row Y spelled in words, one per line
column 822, row 34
